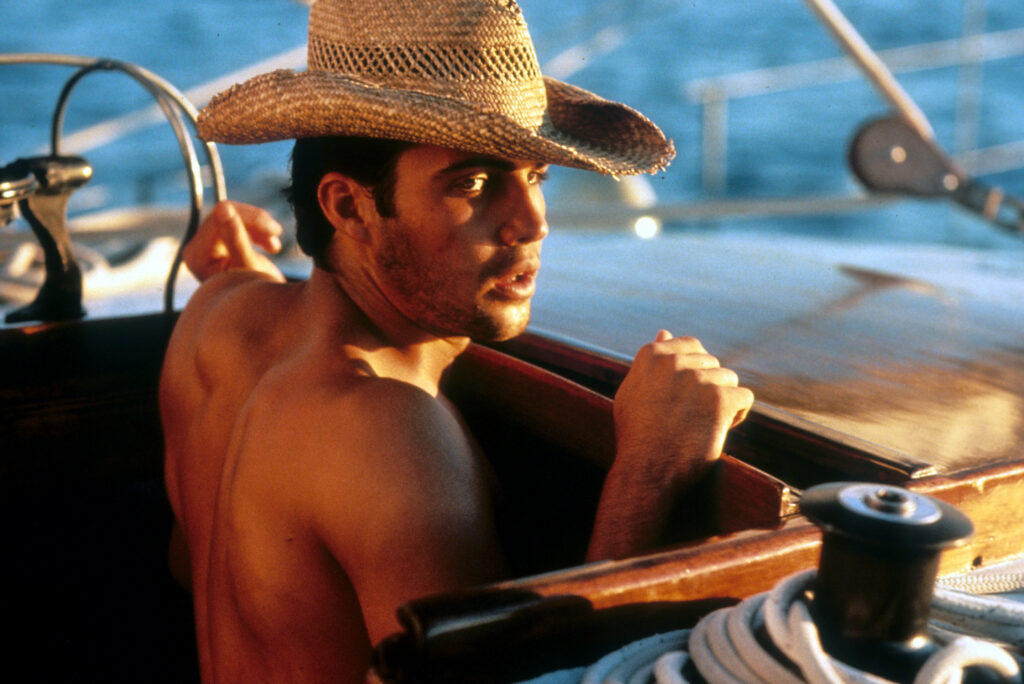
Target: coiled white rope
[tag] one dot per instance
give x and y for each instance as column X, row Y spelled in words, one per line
column 959, row 607
column 985, row 582
column 635, row 662
column 723, row 647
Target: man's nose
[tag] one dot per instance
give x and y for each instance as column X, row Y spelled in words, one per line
column 527, row 221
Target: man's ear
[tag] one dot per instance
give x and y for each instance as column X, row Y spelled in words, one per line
column 346, row 204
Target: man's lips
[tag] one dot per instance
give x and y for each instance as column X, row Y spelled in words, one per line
column 519, row 281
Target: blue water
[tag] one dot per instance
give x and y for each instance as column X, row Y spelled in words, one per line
column 790, row 143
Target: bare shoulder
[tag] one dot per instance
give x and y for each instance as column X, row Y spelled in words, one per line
column 373, row 454
column 376, row 429
column 227, row 294
column 391, row 486
column 223, row 312
column 216, row 344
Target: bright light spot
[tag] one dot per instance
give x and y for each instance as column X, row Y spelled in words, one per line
column 950, row 182
column 647, row 227
column 898, row 154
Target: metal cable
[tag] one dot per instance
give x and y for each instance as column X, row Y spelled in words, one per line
column 184, row 144
column 872, row 66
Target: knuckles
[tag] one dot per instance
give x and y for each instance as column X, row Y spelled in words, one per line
column 671, row 347
column 679, row 399
column 680, row 370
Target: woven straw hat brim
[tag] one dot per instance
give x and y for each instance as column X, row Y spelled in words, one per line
column 580, row 130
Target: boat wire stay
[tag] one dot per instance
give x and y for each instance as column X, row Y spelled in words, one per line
column 872, row 66
column 910, row 160
column 967, row 53
column 896, row 155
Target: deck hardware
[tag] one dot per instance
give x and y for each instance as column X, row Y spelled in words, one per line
column 45, row 209
column 888, row 156
column 879, row 560
column 177, row 110
column 15, row 185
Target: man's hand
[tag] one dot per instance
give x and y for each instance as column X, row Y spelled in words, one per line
column 672, row 413
column 674, row 408
column 225, row 238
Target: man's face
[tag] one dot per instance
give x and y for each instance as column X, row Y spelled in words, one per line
column 461, row 254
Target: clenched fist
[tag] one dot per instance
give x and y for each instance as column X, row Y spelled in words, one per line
column 672, row 413
column 674, row 408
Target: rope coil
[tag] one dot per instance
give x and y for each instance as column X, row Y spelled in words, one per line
column 723, row 646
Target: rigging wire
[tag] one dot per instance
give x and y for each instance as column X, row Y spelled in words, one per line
column 872, row 66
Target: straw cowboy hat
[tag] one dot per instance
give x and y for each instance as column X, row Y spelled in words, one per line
column 456, row 73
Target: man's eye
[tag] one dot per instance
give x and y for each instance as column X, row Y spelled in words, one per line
column 538, row 177
column 471, row 184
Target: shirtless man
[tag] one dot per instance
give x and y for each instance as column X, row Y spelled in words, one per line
column 318, row 477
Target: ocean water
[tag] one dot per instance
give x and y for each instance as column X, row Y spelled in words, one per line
column 643, row 52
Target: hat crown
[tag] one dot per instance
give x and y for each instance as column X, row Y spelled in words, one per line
column 477, row 51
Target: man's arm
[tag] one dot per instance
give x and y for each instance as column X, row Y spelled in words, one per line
column 222, row 243
column 672, row 413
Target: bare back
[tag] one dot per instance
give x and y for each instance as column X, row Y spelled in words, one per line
column 315, row 493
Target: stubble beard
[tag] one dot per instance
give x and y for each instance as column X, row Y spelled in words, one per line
column 425, row 295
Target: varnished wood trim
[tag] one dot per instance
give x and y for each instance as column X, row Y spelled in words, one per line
column 993, row 498
column 734, row 566
column 573, row 418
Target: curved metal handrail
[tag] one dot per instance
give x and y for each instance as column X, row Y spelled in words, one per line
column 172, row 103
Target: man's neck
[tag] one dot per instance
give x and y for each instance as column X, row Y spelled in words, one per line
column 378, row 335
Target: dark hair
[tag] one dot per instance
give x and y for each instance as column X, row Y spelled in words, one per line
column 368, row 161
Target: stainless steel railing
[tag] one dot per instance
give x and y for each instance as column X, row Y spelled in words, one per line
column 713, row 95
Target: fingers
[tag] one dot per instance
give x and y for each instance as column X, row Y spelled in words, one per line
column 246, row 224
column 745, row 401
column 715, row 375
column 675, row 353
column 236, row 236
column 679, row 370
column 201, row 243
column 202, row 254
column 676, row 345
column 226, row 237
column 675, row 407
column 262, row 228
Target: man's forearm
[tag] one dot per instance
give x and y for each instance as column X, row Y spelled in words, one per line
column 632, row 514
column 672, row 412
